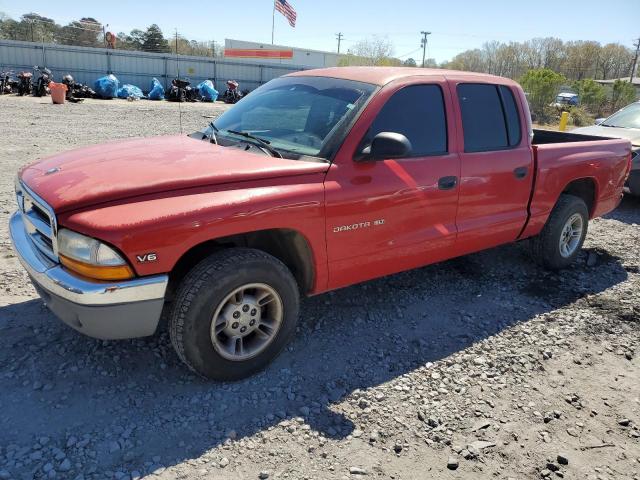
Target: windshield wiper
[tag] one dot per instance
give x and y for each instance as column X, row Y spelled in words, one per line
column 212, row 137
column 266, row 144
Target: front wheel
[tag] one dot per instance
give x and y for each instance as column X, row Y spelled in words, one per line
column 233, row 314
column 561, row 239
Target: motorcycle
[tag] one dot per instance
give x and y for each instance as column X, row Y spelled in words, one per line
column 232, row 94
column 7, row 83
column 24, row 83
column 41, row 88
column 76, row 91
column 182, row 91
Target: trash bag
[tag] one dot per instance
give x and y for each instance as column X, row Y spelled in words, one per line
column 130, row 91
column 157, row 91
column 207, row 91
column 106, row 87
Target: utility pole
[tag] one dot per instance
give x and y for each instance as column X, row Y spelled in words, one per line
column 635, row 60
column 339, row 36
column 423, row 44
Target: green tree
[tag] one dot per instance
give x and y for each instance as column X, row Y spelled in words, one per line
column 623, row 93
column 154, row 40
column 131, row 41
column 410, row 62
column 541, row 86
column 32, row 27
column 86, row 32
column 593, row 96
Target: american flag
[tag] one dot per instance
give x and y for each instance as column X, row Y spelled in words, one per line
column 287, row 10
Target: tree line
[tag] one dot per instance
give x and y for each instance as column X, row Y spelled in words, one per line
column 576, row 60
column 89, row 32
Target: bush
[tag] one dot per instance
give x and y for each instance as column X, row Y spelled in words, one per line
column 623, row 94
column 580, row 117
column 541, row 85
column 593, row 96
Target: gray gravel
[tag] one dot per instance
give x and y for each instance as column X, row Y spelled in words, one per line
column 481, row 367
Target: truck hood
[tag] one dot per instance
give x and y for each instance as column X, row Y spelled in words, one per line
column 114, row 171
column 631, row 134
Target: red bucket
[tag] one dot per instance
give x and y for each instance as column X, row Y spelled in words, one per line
column 58, row 92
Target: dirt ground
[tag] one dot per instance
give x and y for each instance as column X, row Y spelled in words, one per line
column 481, row 367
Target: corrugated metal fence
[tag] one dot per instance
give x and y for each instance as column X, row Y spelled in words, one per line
column 138, row 68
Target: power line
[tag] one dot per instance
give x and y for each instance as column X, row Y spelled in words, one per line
column 410, row 53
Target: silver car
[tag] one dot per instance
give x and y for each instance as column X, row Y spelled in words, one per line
column 624, row 123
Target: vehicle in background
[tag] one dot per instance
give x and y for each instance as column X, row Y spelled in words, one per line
column 317, row 180
column 566, row 99
column 7, row 82
column 41, row 87
column 625, row 123
column 232, row 94
column 24, row 83
column 181, row 91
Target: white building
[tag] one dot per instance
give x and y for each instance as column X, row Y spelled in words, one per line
column 251, row 52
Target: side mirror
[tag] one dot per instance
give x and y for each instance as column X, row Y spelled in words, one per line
column 599, row 120
column 387, row 145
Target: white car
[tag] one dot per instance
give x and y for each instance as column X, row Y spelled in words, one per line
column 624, row 123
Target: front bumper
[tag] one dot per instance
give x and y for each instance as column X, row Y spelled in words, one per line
column 126, row 309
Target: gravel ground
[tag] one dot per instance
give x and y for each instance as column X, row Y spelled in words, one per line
column 481, row 367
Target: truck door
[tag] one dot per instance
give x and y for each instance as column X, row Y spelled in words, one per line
column 496, row 166
column 390, row 215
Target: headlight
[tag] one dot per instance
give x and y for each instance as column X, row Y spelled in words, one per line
column 90, row 257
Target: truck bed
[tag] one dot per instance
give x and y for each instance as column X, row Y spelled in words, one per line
column 597, row 164
column 543, row 137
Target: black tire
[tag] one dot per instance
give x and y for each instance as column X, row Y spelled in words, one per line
column 545, row 248
column 204, row 289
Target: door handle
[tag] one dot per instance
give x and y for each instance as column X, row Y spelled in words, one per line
column 447, row 183
column 521, row 172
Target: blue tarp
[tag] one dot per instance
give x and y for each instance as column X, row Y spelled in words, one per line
column 207, row 91
column 106, row 87
column 128, row 90
column 157, row 91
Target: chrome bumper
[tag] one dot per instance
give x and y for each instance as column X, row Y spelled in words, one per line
column 126, row 309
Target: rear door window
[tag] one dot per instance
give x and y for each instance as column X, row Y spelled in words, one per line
column 490, row 118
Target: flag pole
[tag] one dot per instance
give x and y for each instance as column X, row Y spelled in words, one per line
column 273, row 21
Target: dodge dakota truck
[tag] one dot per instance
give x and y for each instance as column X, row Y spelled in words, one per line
column 316, row 181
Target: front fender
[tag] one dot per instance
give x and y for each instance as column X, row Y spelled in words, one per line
column 170, row 225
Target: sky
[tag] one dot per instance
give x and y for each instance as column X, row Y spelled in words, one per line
column 456, row 25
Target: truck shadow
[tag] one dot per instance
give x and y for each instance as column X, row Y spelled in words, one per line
column 628, row 211
column 134, row 401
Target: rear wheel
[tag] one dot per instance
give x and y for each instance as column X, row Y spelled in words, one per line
column 234, row 312
column 561, row 239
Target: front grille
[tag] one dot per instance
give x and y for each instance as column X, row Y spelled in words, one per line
column 39, row 221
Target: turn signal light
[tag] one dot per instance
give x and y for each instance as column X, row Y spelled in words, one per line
column 98, row 272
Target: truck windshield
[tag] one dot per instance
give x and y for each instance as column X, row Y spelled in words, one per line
column 628, row 117
column 301, row 115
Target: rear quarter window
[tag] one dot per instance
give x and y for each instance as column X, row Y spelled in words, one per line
column 514, row 129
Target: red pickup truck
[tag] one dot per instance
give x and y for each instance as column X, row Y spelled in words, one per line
column 317, row 180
